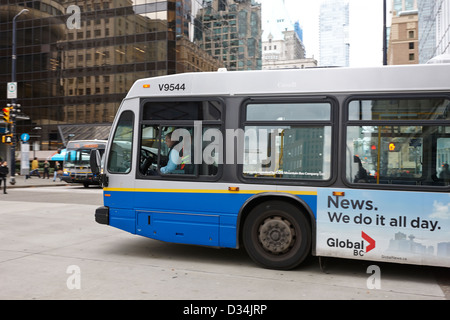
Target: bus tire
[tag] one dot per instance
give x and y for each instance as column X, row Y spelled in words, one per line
column 277, row 235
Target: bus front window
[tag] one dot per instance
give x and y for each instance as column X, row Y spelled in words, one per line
column 77, row 158
column 119, row 159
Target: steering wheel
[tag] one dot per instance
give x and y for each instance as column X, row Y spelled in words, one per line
column 147, row 158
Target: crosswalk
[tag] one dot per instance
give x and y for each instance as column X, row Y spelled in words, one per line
column 59, row 189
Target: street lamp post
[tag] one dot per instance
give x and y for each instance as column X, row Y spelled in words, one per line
column 13, row 101
column 384, row 34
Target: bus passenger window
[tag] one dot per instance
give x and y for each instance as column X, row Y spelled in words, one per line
column 403, row 141
column 288, row 141
column 119, row 159
column 398, row 155
column 443, row 160
column 288, row 152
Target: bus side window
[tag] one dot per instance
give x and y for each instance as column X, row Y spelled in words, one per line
column 443, row 160
column 119, row 158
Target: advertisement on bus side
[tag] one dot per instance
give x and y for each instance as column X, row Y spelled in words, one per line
column 391, row 226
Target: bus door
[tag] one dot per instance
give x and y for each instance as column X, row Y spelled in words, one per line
column 120, row 174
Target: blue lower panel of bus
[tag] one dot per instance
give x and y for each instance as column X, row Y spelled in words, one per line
column 179, row 227
column 124, row 219
column 191, row 218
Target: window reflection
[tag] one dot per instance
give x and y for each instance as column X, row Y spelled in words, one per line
column 80, row 76
column 399, row 155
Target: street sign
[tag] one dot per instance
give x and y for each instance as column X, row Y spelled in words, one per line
column 25, row 159
column 12, row 90
column 25, row 137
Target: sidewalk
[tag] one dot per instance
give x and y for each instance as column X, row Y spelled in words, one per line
column 33, row 182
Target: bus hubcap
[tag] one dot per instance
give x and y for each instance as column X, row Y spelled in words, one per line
column 276, row 235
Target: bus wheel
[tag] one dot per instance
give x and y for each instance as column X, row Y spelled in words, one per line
column 277, row 235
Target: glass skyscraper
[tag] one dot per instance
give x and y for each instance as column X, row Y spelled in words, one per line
column 231, row 31
column 333, row 33
column 434, row 28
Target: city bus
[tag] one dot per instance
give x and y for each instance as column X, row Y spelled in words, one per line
column 76, row 166
column 330, row 162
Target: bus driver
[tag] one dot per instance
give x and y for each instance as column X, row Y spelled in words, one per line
column 174, row 156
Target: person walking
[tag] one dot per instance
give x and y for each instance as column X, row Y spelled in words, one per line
column 46, row 170
column 57, row 172
column 34, row 167
column 3, row 174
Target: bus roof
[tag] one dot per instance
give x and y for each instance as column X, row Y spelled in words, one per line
column 425, row 77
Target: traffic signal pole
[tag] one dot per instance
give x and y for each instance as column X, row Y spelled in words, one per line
column 13, row 101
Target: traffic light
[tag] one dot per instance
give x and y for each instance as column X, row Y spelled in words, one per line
column 7, row 114
column 7, row 139
column 392, row 147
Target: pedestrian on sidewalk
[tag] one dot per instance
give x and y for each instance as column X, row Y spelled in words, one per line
column 3, row 174
column 46, row 170
column 57, row 172
column 34, row 167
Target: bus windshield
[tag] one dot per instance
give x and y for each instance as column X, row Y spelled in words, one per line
column 78, row 153
column 78, row 157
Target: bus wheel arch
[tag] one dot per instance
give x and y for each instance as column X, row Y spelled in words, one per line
column 276, row 230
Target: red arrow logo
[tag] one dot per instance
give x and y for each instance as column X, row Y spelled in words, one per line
column 369, row 240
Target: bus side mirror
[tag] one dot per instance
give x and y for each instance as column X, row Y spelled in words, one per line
column 95, row 161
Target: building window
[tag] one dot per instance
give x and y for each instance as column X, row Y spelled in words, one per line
column 411, row 45
column 411, row 34
column 411, row 56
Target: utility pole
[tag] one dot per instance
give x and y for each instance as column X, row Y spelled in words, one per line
column 13, row 101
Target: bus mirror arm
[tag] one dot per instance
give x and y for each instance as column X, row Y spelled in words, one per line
column 95, row 162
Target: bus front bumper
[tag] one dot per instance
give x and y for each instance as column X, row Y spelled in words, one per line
column 102, row 215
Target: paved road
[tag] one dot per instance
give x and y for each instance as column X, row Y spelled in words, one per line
column 51, row 248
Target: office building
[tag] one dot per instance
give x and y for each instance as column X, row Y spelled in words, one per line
column 403, row 45
column 282, row 47
column 434, row 28
column 333, row 33
column 231, row 31
column 76, row 60
column 403, row 5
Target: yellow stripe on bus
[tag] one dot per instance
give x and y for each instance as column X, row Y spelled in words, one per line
column 311, row 193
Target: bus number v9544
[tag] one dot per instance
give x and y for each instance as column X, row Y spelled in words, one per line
column 172, row 87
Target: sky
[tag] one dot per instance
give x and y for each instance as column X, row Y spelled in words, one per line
column 365, row 31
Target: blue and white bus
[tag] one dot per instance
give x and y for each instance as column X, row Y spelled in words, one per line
column 76, row 166
column 341, row 162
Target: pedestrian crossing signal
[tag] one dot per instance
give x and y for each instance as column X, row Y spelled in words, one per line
column 7, row 139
